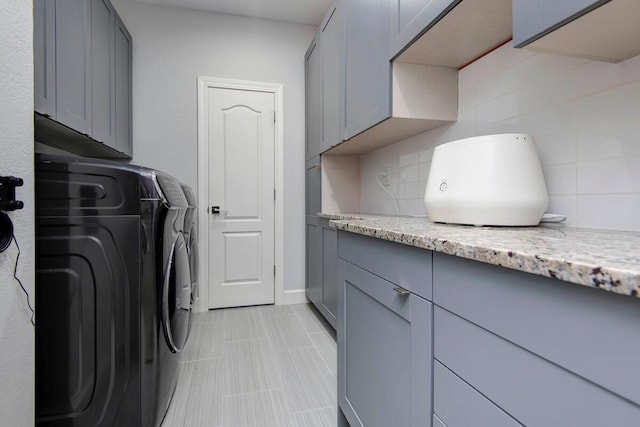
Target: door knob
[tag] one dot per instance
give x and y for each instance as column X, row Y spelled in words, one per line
column 215, row 210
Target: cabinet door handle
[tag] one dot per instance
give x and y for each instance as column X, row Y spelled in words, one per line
column 402, row 291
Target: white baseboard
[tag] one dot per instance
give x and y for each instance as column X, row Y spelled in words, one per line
column 295, row 296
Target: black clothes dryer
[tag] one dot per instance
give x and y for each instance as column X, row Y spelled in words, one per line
column 191, row 236
column 113, row 292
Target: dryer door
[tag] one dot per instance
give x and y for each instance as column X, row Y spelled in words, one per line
column 176, row 296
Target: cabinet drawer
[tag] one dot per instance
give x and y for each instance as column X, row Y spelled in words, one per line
column 456, row 404
column 584, row 330
column 384, row 352
column 403, row 265
column 529, row 388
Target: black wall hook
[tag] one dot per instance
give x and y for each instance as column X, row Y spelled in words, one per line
column 8, row 186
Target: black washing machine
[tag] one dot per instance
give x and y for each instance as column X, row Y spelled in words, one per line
column 191, row 236
column 113, row 292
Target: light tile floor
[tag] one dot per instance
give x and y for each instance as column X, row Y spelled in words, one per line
column 257, row 366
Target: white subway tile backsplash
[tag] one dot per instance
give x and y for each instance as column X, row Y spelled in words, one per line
column 613, row 140
column 497, row 110
column 556, row 149
column 554, row 91
column 560, row 179
column 616, row 212
column 466, row 97
column 411, row 190
column 409, row 173
column 526, row 73
column 412, row 207
column 424, row 171
column 409, row 159
column 584, row 115
column 594, row 76
column 425, row 155
column 602, row 108
column 609, row 176
column 549, row 121
column 564, row 205
column 494, row 63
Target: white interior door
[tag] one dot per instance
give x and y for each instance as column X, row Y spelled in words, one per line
column 241, row 184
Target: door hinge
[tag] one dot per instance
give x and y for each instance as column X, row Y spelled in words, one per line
column 274, row 271
column 274, row 194
column 274, row 117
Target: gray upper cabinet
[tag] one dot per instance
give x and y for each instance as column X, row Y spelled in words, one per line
column 44, row 53
column 73, row 64
column 576, row 27
column 123, row 89
column 82, row 77
column 331, row 45
column 313, row 99
column 410, row 18
column 102, row 62
column 367, row 79
column 323, row 85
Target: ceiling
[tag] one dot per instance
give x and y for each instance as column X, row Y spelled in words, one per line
column 297, row 11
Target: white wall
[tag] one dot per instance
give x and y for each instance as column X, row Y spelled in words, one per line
column 171, row 47
column 16, row 144
column 584, row 115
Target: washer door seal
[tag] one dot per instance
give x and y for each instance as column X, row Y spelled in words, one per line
column 176, row 296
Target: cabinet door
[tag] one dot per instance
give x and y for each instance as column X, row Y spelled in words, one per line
column 367, row 79
column 73, row 64
column 332, row 50
column 44, row 61
column 102, row 50
column 410, row 18
column 313, row 80
column 384, row 352
column 535, row 18
column 123, row 89
column 313, row 232
column 329, row 271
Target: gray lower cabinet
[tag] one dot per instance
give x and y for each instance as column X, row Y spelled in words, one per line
column 456, row 403
column 367, row 69
column 384, row 345
column 495, row 347
column 322, row 267
column 321, row 248
column 329, row 305
column 313, row 288
column 82, row 76
column 534, row 18
column 410, row 18
column 543, row 351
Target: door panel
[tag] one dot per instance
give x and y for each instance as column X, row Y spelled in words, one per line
column 73, row 64
column 241, row 183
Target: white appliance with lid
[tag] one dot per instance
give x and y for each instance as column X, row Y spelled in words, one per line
column 487, row 180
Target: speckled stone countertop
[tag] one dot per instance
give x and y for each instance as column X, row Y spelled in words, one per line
column 604, row 259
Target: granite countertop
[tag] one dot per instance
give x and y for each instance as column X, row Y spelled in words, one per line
column 604, row 259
